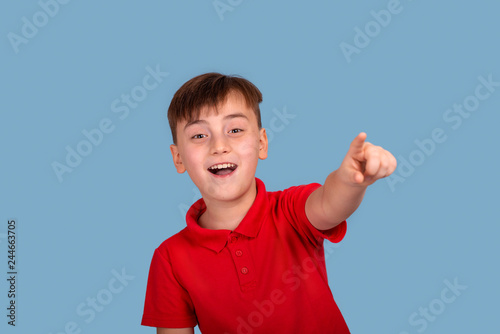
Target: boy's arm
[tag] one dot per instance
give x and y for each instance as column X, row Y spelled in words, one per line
column 344, row 188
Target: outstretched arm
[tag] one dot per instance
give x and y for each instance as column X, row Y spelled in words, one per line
column 344, row 188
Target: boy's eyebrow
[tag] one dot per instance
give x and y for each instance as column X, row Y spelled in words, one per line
column 197, row 121
column 230, row 116
column 235, row 115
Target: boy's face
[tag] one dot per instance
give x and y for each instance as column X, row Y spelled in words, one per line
column 220, row 151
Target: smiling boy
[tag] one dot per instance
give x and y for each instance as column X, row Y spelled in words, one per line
column 249, row 260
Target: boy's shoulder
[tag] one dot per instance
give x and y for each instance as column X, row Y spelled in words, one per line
column 175, row 241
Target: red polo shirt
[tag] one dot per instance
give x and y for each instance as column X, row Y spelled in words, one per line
column 266, row 276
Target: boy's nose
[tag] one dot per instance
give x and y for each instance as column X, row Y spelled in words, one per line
column 220, row 145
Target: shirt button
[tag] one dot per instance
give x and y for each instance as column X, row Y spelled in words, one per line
column 244, row 270
column 239, row 252
column 233, row 239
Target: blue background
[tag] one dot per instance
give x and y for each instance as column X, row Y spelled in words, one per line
column 125, row 197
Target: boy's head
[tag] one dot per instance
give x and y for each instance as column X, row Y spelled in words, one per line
column 210, row 90
column 218, row 137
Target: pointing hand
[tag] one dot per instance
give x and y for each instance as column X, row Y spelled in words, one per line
column 365, row 163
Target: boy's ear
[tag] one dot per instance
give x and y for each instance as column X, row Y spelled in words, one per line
column 263, row 144
column 177, row 159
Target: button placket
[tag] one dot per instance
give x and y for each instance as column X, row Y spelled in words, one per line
column 242, row 261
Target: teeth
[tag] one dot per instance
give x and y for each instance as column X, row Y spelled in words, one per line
column 221, row 166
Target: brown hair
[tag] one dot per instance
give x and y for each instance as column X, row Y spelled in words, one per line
column 209, row 89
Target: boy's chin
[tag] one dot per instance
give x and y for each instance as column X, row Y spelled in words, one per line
column 226, row 191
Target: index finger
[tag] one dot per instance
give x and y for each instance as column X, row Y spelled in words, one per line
column 357, row 143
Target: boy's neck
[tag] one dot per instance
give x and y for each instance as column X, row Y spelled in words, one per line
column 227, row 215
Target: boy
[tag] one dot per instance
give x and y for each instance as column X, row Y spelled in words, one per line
column 249, row 261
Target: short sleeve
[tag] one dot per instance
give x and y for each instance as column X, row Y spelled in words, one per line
column 167, row 303
column 293, row 204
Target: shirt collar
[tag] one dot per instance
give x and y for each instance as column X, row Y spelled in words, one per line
column 216, row 239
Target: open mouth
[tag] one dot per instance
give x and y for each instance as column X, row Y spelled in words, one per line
column 222, row 169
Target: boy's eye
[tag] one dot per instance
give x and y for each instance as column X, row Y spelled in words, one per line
column 198, row 136
column 235, row 130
